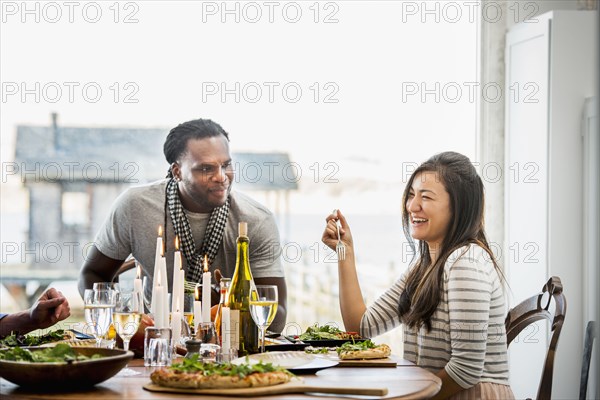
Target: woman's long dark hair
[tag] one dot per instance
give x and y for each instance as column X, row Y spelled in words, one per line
column 465, row 189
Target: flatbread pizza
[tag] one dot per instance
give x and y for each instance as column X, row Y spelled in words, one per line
column 366, row 350
column 193, row 374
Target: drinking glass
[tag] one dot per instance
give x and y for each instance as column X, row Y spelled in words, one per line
column 106, row 286
column 127, row 316
column 263, row 307
column 109, row 338
column 98, row 306
column 209, row 349
column 186, row 318
column 188, row 310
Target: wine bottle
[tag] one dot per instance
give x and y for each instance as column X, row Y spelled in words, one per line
column 244, row 337
column 223, row 288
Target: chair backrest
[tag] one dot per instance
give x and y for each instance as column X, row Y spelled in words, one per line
column 534, row 309
column 588, row 344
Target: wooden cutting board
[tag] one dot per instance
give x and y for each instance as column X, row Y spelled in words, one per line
column 381, row 363
column 295, row 386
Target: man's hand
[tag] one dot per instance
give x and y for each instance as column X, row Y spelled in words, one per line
column 49, row 309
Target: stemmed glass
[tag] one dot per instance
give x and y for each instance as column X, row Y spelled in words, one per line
column 98, row 306
column 127, row 315
column 263, row 307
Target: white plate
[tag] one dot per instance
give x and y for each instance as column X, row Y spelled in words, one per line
column 283, row 359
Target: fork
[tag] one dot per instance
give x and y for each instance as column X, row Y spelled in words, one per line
column 340, row 248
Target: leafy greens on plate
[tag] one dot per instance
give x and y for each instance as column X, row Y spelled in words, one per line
column 16, row 339
column 326, row 332
column 61, row 353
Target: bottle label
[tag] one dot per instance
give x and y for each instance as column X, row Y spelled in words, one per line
column 235, row 329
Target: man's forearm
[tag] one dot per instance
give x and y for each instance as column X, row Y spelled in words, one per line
column 279, row 322
column 97, row 268
column 19, row 321
column 87, row 279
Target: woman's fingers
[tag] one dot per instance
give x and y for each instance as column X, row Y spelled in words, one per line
column 329, row 234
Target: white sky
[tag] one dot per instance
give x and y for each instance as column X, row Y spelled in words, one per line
column 177, row 48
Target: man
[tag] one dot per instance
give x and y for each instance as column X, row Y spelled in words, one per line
column 195, row 203
column 49, row 309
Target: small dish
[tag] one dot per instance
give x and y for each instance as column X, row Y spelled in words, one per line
column 324, row 342
column 284, row 359
column 298, row 363
column 314, row 366
column 286, row 347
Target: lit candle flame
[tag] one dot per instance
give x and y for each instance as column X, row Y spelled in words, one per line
column 206, row 263
column 176, row 243
column 139, row 272
column 160, row 230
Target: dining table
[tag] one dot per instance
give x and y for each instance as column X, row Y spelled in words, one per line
column 402, row 381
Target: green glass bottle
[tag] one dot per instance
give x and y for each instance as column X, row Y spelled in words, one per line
column 245, row 332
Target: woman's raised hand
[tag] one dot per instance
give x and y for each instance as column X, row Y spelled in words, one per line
column 330, row 234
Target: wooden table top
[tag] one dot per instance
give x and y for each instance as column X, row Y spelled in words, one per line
column 406, row 381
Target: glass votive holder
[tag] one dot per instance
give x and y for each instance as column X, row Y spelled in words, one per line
column 209, row 352
column 157, row 347
column 207, row 333
column 226, row 355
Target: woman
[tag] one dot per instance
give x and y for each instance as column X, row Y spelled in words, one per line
column 451, row 299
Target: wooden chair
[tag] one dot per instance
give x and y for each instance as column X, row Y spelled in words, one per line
column 534, row 309
column 590, row 335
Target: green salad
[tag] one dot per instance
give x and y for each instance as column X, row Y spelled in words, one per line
column 193, row 364
column 354, row 346
column 61, row 353
column 16, row 339
column 325, row 332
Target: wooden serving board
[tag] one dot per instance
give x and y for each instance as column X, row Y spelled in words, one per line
column 295, row 386
column 377, row 362
column 380, row 362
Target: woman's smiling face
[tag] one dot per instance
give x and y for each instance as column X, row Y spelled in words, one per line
column 428, row 208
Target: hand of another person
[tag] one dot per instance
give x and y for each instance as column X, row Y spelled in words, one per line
column 330, row 236
column 136, row 344
column 217, row 274
column 49, row 309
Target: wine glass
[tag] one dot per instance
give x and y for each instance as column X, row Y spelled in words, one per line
column 147, row 286
column 127, row 315
column 106, row 286
column 98, row 306
column 263, row 307
column 109, row 338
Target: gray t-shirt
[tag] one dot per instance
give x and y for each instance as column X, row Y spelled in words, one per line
column 132, row 228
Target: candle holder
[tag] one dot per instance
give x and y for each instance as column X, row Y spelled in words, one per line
column 157, row 347
column 210, row 348
column 225, row 356
column 207, row 333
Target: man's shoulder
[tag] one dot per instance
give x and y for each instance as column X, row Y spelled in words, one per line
column 147, row 191
column 247, row 206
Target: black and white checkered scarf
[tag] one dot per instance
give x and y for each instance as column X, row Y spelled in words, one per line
column 212, row 237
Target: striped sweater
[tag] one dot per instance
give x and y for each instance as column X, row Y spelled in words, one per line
column 468, row 337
